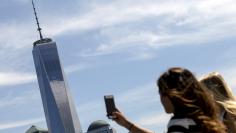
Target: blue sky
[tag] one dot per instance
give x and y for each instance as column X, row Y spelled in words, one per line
column 115, row 47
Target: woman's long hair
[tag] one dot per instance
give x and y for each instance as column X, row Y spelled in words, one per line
column 221, row 91
column 190, row 99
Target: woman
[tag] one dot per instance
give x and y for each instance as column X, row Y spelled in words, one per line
column 223, row 97
column 181, row 94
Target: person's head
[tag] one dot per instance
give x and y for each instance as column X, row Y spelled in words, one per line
column 188, row 98
column 181, row 87
column 217, row 85
column 221, row 92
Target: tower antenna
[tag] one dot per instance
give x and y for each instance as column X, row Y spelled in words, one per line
column 37, row 21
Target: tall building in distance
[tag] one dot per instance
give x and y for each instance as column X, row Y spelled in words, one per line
column 58, row 105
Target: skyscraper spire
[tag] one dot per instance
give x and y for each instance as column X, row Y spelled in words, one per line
column 39, row 29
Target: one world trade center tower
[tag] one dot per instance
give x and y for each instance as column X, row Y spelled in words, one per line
column 58, row 106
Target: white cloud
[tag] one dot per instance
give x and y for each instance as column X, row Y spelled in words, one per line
column 15, row 53
column 22, row 1
column 17, row 78
column 142, row 95
column 21, row 123
column 204, row 19
column 143, row 41
column 100, row 16
column 23, row 98
column 142, row 56
column 76, row 67
column 16, row 36
column 184, row 22
column 12, row 78
column 117, row 12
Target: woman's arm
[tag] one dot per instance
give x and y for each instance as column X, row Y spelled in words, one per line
column 133, row 128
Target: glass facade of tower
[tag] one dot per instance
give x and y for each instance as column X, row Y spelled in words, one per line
column 58, row 105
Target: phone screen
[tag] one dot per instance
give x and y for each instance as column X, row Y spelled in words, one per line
column 110, row 105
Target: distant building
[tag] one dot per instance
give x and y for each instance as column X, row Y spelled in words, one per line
column 34, row 129
column 100, row 126
column 58, row 105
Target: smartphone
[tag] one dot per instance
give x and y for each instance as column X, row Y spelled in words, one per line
column 110, row 105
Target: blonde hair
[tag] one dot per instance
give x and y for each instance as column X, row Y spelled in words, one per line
column 221, row 91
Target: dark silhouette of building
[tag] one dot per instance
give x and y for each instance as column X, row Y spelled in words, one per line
column 100, row 126
column 34, row 129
